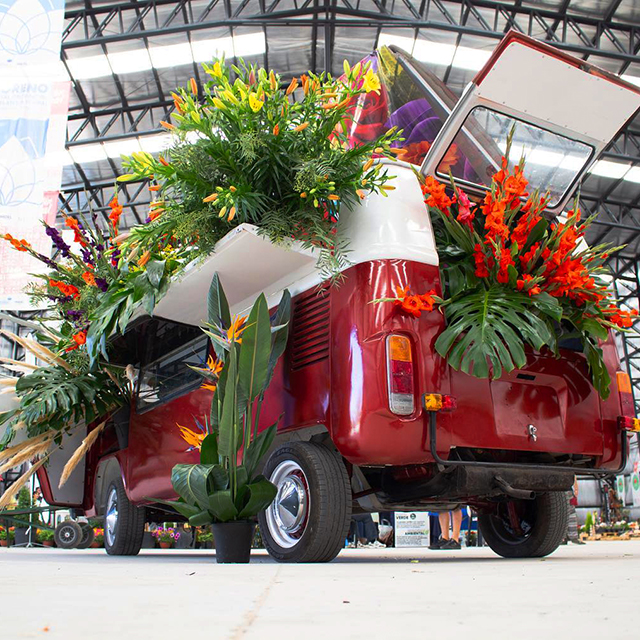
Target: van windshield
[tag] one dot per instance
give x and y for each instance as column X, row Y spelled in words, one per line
column 553, row 162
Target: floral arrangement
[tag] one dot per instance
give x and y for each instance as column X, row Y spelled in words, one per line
column 512, row 279
column 44, row 535
column 4, row 534
column 247, row 150
column 98, row 532
column 166, row 535
column 202, row 535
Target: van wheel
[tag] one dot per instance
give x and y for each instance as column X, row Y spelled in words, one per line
column 123, row 522
column 309, row 518
column 527, row 528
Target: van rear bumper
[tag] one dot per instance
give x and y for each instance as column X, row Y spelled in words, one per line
column 497, row 466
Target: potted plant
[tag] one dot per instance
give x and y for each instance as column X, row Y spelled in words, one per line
column 45, row 537
column 98, row 540
column 225, row 488
column 4, row 537
column 166, row 536
column 204, row 539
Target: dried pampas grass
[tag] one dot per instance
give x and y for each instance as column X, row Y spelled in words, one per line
column 11, row 452
column 26, row 454
column 17, row 365
column 38, row 350
column 19, row 483
column 79, row 453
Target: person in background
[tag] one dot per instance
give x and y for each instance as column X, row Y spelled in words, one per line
column 572, row 522
column 449, row 542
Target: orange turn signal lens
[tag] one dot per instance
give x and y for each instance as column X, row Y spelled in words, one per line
column 624, row 382
column 400, row 348
column 438, row 402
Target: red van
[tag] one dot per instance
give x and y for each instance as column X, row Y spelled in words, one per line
column 354, row 435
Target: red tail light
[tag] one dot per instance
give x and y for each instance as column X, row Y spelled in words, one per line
column 400, row 379
column 626, row 396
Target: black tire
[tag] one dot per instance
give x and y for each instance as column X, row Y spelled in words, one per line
column 542, row 526
column 88, row 536
column 68, row 534
column 123, row 522
column 315, row 479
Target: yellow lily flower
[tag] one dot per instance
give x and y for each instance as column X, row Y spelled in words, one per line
column 371, row 82
column 254, row 103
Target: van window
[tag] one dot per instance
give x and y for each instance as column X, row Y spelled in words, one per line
column 553, row 162
column 165, row 374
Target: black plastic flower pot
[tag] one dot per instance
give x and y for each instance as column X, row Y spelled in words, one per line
column 233, row 541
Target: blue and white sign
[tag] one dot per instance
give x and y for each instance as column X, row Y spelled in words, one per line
column 33, row 109
column 30, row 31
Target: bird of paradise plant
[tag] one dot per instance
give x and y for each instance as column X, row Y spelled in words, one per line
column 226, row 485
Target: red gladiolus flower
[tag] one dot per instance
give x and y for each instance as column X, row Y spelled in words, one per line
column 481, row 265
column 524, row 282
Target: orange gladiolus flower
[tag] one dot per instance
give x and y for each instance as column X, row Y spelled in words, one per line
column 89, row 278
column 481, row 263
column 79, row 339
column 437, row 195
column 235, row 330
column 167, row 125
column 18, row 245
column 72, row 223
column 116, row 212
column 194, row 86
column 414, row 305
column 276, row 130
column 301, row 127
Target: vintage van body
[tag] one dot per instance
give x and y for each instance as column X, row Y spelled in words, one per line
column 353, row 435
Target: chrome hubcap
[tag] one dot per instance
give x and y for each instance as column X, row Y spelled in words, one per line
column 288, row 513
column 111, row 517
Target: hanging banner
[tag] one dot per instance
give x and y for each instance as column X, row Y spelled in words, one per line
column 635, row 484
column 34, row 102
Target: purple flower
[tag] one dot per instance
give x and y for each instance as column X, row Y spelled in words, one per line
column 57, row 240
column 87, row 256
column 115, row 256
column 102, row 284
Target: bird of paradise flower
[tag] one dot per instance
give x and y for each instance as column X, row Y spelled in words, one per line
column 192, row 437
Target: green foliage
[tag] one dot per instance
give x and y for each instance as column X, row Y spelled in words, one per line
column 52, row 397
column 246, row 151
column 492, row 326
column 225, row 485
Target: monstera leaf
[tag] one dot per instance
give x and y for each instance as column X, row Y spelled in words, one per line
column 490, row 327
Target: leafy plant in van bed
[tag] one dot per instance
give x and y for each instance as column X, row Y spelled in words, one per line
column 248, row 150
column 225, row 485
column 513, row 279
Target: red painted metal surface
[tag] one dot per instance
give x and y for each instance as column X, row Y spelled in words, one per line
column 343, row 385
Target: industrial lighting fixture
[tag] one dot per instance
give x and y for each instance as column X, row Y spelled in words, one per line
column 160, row 57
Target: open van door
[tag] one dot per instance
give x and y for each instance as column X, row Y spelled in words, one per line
column 562, row 110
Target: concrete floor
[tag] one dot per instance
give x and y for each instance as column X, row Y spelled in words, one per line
column 365, row 593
